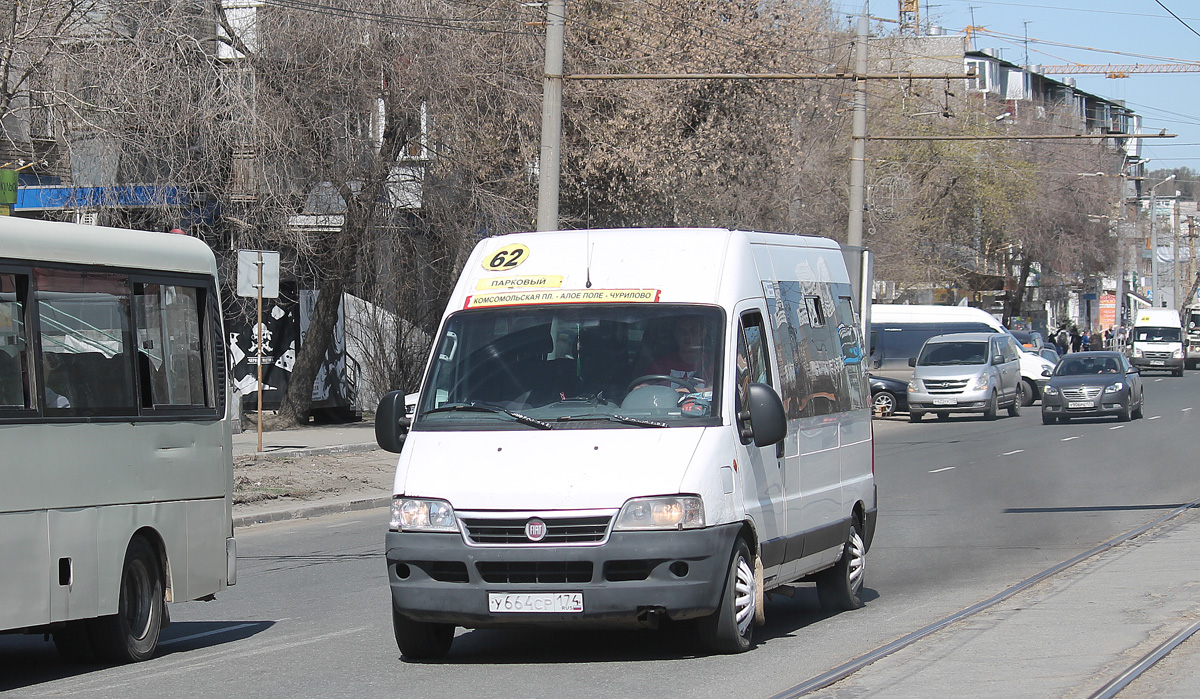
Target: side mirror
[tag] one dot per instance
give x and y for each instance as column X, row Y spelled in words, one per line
column 1134, row 370
column 391, row 423
column 912, row 361
column 767, row 419
column 1046, row 371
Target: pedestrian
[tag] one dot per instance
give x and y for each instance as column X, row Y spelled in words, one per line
column 1108, row 338
column 1076, row 339
column 1085, row 341
column 1061, row 339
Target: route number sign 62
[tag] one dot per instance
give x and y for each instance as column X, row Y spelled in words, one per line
column 506, row 258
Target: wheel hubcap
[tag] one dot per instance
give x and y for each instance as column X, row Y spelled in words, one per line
column 856, row 550
column 743, row 596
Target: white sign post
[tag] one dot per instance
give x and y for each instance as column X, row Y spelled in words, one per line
column 258, row 276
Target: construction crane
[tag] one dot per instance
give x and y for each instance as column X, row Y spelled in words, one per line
column 1121, row 71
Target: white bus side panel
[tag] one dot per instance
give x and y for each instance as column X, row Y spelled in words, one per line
column 24, row 560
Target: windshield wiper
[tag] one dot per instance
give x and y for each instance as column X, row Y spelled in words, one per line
column 614, row 418
column 481, row 408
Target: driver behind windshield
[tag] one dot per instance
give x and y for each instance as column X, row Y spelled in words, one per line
column 690, row 358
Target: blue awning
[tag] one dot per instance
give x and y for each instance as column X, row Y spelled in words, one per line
column 125, row 197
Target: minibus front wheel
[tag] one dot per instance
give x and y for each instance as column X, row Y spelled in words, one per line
column 421, row 640
column 730, row 629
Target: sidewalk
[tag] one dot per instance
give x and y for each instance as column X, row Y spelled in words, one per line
column 1066, row 636
column 305, row 441
column 302, row 441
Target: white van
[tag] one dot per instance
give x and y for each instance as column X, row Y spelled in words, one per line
column 899, row 330
column 618, row 427
column 1158, row 341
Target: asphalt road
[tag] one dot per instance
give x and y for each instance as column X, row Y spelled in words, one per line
column 968, row 508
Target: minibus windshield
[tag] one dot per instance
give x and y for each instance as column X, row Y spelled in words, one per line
column 1145, row 333
column 576, row 366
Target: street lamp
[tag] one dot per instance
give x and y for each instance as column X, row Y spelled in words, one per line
column 1154, row 242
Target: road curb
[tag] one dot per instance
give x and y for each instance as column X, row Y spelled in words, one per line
column 309, row 511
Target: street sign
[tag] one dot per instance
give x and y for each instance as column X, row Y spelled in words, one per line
column 247, row 273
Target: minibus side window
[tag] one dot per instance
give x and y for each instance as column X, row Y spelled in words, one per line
column 752, row 362
column 14, row 352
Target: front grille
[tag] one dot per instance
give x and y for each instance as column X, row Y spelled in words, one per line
column 528, row 572
column 1081, row 392
column 565, row 530
column 944, row 386
column 624, row 571
column 444, row 571
column 1158, row 355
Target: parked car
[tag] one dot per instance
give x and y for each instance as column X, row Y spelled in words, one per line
column 888, row 396
column 966, row 372
column 1088, row 384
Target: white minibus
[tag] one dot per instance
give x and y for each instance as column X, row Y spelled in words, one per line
column 1158, row 341
column 116, row 470
column 621, row 427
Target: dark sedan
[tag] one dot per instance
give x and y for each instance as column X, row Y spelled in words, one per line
column 888, row 396
column 1089, row 384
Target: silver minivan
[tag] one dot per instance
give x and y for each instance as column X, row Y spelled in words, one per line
column 965, row 373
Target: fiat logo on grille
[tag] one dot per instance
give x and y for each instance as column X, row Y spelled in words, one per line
column 535, row 530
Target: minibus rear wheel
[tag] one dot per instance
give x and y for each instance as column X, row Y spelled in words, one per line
column 421, row 640
column 840, row 588
column 730, row 629
column 131, row 635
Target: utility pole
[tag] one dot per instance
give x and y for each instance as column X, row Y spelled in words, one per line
column 1154, row 295
column 1175, row 255
column 551, row 149
column 858, row 137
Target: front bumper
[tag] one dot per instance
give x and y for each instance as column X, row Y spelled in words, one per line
column 1104, row 404
column 679, row 574
column 965, row 402
column 1157, row 363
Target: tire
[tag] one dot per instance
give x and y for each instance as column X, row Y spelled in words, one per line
column 943, row 415
column 131, row 635
column 730, row 629
column 1177, row 373
column 915, row 416
column 884, row 403
column 840, row 588
column 993, row 407
column 1137, row 412
column 1014, row 410
column 1127, row 414
column 1048, row 419
column 74, row 643
column 1026, row 393
column 421, row 640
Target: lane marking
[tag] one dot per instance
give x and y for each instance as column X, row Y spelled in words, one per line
column 948, row 468
column 1010, row 453
column 1067, row 439
column 1186, row 409
column 214, row 632
column 1116, row 427
column 1154, row 417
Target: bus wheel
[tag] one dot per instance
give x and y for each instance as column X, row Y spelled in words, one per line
column 131, row 634
column 730, row 629
column 73, row 643
column 840, row 588
column 421, row 640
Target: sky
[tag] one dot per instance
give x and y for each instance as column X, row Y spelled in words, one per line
column 1094, row 32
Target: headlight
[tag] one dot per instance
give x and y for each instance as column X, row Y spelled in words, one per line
column 675, row 512
column 914, row 384
column 1113, row 388
column 414, row 515
column 1137, row 352
column 1049, row 391
column 1178, row 354
column 981, row 382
